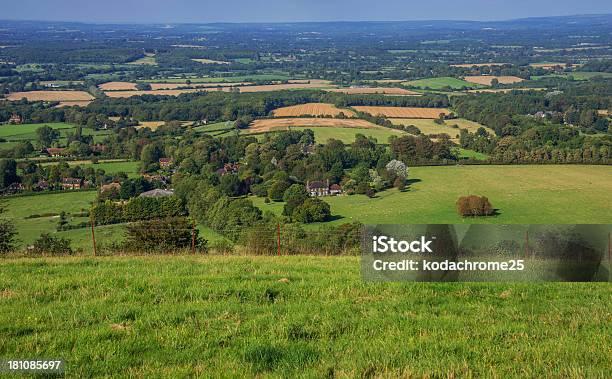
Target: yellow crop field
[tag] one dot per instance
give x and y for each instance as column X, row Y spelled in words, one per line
column 403, row 112
column 376, row 90
column 312, row 109
column 487, row 79
column 276, row 124
column 51, row 96
column 429, row 127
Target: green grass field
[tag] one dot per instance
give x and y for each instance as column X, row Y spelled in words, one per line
column 428, row 127
column 523, row 195
column 575, row 75
column 190, row 316
column 464, row 153
column 218, row 129
column 442, row 82
column 16, row 131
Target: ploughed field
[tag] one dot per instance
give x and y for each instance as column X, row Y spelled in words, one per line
column 312, row 109
column 299, row 316
column 402, row 112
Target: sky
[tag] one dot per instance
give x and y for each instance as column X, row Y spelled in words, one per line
column 201, row 11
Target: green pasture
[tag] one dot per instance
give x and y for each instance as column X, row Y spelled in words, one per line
column 549, row 194
column 293, row 316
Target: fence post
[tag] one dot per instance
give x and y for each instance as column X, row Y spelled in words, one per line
column 526, row 244
column 93, row 236
column 278, row 243
column 193, row 239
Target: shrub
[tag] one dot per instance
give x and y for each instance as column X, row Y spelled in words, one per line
column 312, row 210
column 473, row 205
column 48, row 244
column 160, row 235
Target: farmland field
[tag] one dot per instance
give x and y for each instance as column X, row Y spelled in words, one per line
column 209, row 61
column 402, row 112
column 293, row 316
column 486, row 80
column 148, row 59
column 8, row 131
column 375, row 90
column 523, row 194
column 470, row 65
column 312, row 109
column 279, row 124
column 439, row 83
column 347, row 135
column 428, row 127
column 51, row 96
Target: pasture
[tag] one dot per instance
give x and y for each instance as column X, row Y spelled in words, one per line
column 563, row 194
column 403, row 112
column 281, row 124
column 293, row 316
column 148, row 59
column 312, row 109
column 29, row 130
column 429, row 127
column 486, row 80
column 440, row 83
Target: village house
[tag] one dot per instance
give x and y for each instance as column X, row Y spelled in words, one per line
column 55, row 151
column 15, row 119
column 110, row 187
column 41, row 185
column 165, row 162
column 98, row 148
column 72, row 183
column 229, row 168
column 157, row 193
column 322, row 188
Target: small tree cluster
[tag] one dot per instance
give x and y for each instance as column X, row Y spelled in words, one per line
column 164, row 234
column 473, row 205
column 48, row 244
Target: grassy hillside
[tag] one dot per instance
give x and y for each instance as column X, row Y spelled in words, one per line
column 347, row 135
column 522, row 194
column 293, row 317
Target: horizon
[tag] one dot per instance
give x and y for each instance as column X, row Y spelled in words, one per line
column 300, row 11
column 110, row 22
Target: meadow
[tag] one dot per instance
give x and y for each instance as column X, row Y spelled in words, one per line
column 439, row 83
column 563, row 194
column 288, row 316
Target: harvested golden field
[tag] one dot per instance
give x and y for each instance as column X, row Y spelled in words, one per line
column 470, row 65
column 312, row 109
column 154, row 124
column 278, row 124
column 170, row 92
column 117, row 86
column 547, row 66
column 602, row 112
column 51, row 96
column 487, row 79
column 73, row 104
column 403, row 112
column 376, row 90
column 429, row 127
column 209, row 61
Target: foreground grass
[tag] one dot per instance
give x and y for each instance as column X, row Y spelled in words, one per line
column 192, row 316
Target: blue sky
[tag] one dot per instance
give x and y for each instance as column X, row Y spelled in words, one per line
column 143, row 11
